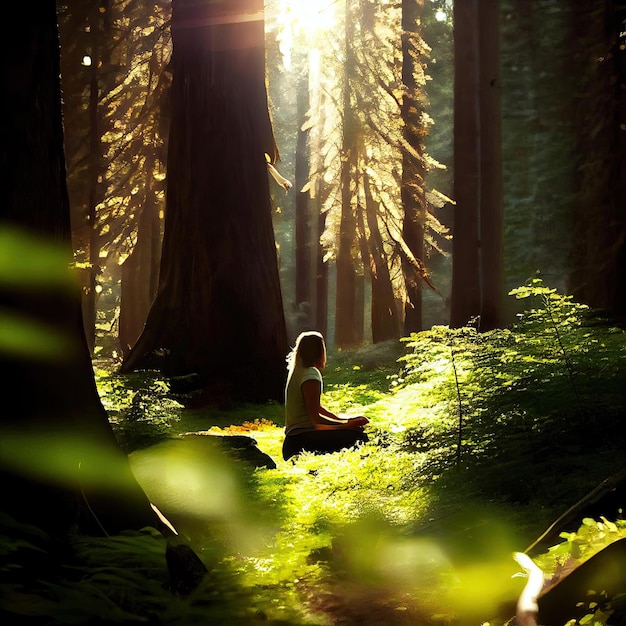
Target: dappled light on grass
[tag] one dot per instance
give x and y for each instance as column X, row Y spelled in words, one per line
column 398, row 531
column 188, row 480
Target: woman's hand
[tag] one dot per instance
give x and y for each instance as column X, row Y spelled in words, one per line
column 358, row 422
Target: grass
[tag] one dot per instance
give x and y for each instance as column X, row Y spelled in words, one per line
column 478, row 442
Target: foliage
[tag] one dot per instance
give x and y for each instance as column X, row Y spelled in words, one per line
column 110, row 580
column 128, row 47
column 477, row 442
column 517, row 397
column 557, row 134
column 140, row 407
column 579, row 546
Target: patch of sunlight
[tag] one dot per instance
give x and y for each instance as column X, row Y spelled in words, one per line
column 20, row 335
column 372, row 551
column 182, row 478
column 196, row 486
column 405, row 408
column 293, row 19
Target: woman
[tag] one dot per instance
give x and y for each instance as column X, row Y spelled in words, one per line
column 309, row 427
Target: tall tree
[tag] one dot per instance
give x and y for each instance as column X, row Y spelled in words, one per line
column 563, row 147
column 114, row 59
column 57, row 450
column 477, row 277
column 140, row 270
column 385, row 314
column 413, row 169
column 346, row 304
column 218, row 311
column 305, row 288
column 597, row 254
column 619, row 47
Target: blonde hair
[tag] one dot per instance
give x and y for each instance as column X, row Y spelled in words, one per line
column 310, row 348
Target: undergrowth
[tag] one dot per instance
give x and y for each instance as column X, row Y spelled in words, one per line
column 478, row 440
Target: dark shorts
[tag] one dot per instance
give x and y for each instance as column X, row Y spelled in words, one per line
column 321, row 441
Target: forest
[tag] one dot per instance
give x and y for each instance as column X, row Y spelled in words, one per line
column 437, row 187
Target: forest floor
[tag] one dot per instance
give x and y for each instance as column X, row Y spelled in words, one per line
column 478, row 442
column 419, row 526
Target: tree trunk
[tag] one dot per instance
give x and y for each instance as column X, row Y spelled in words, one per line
column 466, row 293
column 304, row 231
column 491, row 206
column 618, row 184
column 57, row 450
column 140, row 272
column 413, row 171
column 385, row 318
column 599, row 220
column 345, row 308
column 218, row 311
column 359, row 308
column 477, row 290
column 321, row 274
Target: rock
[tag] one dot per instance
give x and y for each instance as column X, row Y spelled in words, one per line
column 239, row 447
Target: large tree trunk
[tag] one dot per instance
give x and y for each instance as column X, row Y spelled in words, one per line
column 218, row 311
column 385, row 318
column 477, row 290
column 466, row 294
column 413, row 170
column 599, row 220
column 345, row 305
column 491, row 204
column 57, row 450
column 618, row 184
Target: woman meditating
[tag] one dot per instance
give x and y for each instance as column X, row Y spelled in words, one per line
column 309, row 427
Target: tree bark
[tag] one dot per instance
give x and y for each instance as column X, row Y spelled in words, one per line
column 345, row 307
column 413, row 170
column 218, row 311
column 618, row 183
column 477, row 290
column 465, row 298
column 385, row 318
column 57, row 450
column 599, row 218
column 321, row 274
column 140, row 272
column 304, row 231
column 491, row 203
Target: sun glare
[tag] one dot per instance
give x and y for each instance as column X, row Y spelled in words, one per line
column 301, row 20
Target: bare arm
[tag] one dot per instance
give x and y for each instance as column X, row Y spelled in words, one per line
column 281, row 180
column 322, row 418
